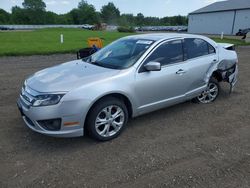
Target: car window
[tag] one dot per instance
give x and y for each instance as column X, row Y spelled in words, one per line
column 167, row 53
column 211, row 49
column 122, row 49
column 195, row 47
column 120, row 54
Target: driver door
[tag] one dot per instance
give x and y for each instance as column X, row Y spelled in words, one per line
column 157, row 89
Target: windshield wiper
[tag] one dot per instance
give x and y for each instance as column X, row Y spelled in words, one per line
column 87, row 59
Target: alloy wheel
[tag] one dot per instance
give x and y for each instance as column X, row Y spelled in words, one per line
column 210, row 94
column 109, row 121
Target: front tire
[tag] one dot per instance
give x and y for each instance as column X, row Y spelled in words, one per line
column 210, row 94
column 107, row 119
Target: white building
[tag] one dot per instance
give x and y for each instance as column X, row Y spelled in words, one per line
column 223, row 16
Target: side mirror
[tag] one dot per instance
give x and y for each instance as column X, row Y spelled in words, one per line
column 153, row 66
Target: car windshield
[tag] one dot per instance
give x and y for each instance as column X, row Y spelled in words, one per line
column 120, row 54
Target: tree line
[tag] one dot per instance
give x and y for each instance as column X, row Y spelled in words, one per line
column 34, row 12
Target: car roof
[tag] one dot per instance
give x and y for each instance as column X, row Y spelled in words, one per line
column 158, row 37
column 163, row 36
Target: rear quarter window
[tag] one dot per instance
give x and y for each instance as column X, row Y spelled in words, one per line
column 211, row 49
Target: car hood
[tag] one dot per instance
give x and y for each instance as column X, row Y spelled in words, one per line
column 68, row 76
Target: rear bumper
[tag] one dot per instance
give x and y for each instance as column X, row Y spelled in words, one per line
column 233, row 79
column 32, row 115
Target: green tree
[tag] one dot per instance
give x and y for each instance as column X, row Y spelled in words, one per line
column 19, row 16
column 110, row 14
column 4, row 17
column 74, row 16
column 139, row 19
column 86, row 13
column 174, row 20
column 151, row 21
column 127, row 20
column 65, row 18
column 35, row 11
column 51, row 18
column 34, row 5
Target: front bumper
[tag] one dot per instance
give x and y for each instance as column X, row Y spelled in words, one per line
column 71, row 111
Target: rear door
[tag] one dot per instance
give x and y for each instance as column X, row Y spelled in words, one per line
column 200, row 56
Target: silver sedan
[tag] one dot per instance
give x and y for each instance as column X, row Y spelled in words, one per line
column 130, row 77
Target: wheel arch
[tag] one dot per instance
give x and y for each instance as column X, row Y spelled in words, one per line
column 217, row 75
column 116, row 95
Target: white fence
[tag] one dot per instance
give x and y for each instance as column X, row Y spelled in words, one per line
column 31, row 27
column 87, row 26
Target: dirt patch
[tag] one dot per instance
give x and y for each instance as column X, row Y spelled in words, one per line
column 187, row 145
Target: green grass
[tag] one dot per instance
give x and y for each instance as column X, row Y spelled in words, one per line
column 47, row 41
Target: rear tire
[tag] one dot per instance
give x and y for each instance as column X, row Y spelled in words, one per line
column 107, row 119
column 210, row 94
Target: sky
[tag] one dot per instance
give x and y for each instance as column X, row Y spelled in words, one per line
column 158, row 8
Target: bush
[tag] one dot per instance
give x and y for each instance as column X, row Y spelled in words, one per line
column 126, row 29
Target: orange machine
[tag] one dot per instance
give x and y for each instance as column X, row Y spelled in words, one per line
column 95, row 42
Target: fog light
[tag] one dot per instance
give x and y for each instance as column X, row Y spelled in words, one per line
column 51, row 124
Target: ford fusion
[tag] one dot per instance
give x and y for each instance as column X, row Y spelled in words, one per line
column 130, row 77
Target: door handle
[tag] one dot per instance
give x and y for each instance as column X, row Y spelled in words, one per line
column 180, row 71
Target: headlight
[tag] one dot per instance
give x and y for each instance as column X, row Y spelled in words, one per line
column 47, row 100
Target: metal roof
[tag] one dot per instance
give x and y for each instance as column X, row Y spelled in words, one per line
column 224, row 6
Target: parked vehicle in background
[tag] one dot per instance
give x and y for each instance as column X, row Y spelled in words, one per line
column 163, row 28
column 4, row 28
column 88, row 27
column 243, row 32
column 182, row 29
column 130, row 77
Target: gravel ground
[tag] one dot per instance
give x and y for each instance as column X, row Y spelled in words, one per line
column 187, row 145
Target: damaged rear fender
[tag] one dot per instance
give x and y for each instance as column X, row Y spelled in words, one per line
column 225, row 70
